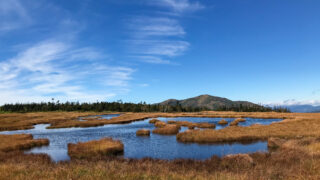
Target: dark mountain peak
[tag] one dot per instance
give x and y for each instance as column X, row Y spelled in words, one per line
column 206, row 101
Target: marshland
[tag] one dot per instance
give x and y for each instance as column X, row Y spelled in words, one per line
column 108, row 145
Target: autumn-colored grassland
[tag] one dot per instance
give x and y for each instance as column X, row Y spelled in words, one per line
column 296, row 158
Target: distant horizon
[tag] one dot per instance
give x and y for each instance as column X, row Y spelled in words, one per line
column 265, row 52
column 286, row 104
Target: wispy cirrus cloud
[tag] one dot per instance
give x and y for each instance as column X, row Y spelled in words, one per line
column 157, row 39
column 179, row 5
column 58, row 69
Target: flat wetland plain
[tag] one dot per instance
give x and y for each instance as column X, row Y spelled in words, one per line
column 295, row 153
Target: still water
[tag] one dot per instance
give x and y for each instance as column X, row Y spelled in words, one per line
column 155, row 146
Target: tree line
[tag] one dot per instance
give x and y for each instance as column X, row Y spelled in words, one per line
column 119, row 106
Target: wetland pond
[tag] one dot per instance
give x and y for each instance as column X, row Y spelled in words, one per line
column 153, row 146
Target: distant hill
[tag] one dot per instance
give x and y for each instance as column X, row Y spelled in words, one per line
column 303, row 108
column 209, row 102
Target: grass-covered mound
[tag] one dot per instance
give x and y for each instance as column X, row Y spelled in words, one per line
column 143, row 132
column 102, row 147
column 223, row 122
column 20, row 142
column 169, row 129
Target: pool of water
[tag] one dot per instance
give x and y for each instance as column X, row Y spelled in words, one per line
column 155, row 146
column 105, row 116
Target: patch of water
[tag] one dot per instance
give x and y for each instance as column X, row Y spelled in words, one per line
column 155, row 146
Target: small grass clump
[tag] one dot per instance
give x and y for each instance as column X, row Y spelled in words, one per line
column 234, row 123
column 223, row 122
column 19, row 142
column 153, row 121
column 103, row 147
column 205, row 125
column 169, row 129
column 160, row 124
column 143, row 132
column 240, row 120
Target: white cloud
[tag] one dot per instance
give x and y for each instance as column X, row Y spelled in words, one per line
column 153, row 60
column 180, row 5
column 57, row 69
column 159, row 47
column 144, row 27
column 290, row 102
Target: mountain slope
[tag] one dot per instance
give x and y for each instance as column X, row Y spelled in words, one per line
column 207, row 101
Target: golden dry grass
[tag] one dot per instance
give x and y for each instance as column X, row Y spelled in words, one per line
column 168, row 129
column 282, row 164
column 223, row 122
column 16, row 121
column 143, row 132
column 20, row 142
column 300, row 125
column 102, row 147
column 234, row 123
column 160, row 124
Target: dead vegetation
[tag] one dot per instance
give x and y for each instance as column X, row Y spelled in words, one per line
column 96, row 148
column 143, row 132
column 299, row 126
column 168, row 129
column 18, row 121
column 19, row 142
column 285, row 163
column 223, row 122
column 295, row 157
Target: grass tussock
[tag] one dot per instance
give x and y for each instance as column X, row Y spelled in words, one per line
column 19, row 142
column 160, row 124
column 192, row 125
column 169, row 129
column 234, row 123
column 153, row 121
column 223, row 122
column 143, row 132
column 103, row 147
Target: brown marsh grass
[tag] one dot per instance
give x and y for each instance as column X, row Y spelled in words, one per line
column 168, row 129
column 20, row 142
column 282, row 164
column 234, row 123
column 302, row 125
column 17, row 121
column 143, row 132
column 102, row 147
column 223, row 122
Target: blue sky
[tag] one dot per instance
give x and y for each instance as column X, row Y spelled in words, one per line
column 152, row 50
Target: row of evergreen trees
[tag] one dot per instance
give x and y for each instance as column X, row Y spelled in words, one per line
column 98, row 107
column 252, row 108
column 119, row 106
